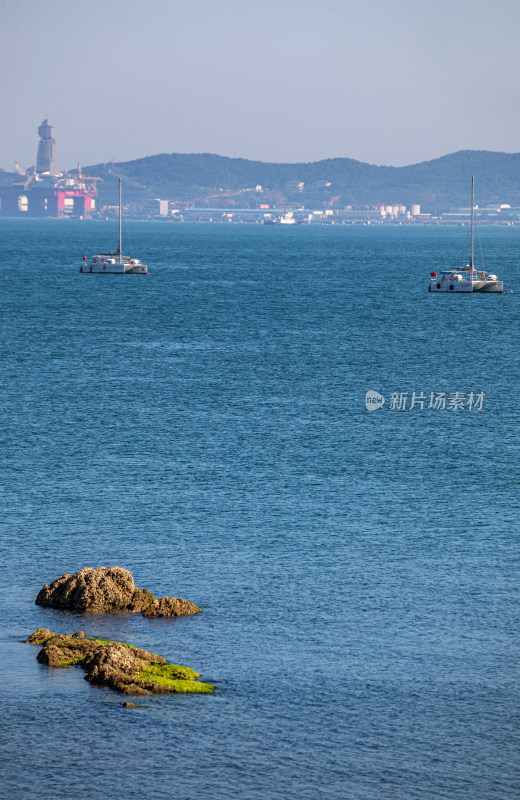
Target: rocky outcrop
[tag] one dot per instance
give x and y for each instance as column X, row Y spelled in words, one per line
column 108, row 589
column 170, row 607
column 126, row 669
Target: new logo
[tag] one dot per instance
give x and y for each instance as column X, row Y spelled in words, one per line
column 373, row 400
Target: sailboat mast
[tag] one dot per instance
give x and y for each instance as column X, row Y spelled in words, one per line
column 472, row 221
column 120, row 242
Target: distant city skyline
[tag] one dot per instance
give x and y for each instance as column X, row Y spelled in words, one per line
column 389, row 83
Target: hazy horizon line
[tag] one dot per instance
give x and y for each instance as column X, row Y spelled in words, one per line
column 277, row 163
column 294, row 163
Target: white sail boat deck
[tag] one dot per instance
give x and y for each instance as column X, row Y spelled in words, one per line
column 114, row 263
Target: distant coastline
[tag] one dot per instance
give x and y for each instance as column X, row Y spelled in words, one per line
column 189, row 185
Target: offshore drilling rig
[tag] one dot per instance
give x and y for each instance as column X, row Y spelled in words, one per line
column 43, row 191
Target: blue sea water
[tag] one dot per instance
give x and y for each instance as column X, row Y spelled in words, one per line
column 205, row 427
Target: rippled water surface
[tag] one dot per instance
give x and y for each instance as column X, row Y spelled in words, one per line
column 205, row 427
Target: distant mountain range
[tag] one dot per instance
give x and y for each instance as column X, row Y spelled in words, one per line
column 437, row 185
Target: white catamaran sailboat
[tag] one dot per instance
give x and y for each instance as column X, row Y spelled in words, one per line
column 467, row 278
column 114, row 263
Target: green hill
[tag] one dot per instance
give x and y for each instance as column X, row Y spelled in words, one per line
column 437, row 185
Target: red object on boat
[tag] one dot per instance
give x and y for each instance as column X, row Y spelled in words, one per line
column 84, row 258
column 433, row 274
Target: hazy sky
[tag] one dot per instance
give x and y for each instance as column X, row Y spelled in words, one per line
column 384, row 81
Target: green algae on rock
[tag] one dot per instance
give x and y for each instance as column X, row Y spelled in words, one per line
column 122, row 667
column 109, row 589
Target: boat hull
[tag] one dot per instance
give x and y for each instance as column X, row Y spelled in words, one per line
column 465, row 287
column 115, row 269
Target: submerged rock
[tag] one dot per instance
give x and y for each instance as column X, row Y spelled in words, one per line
column 108, row 589
column 126, row 669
